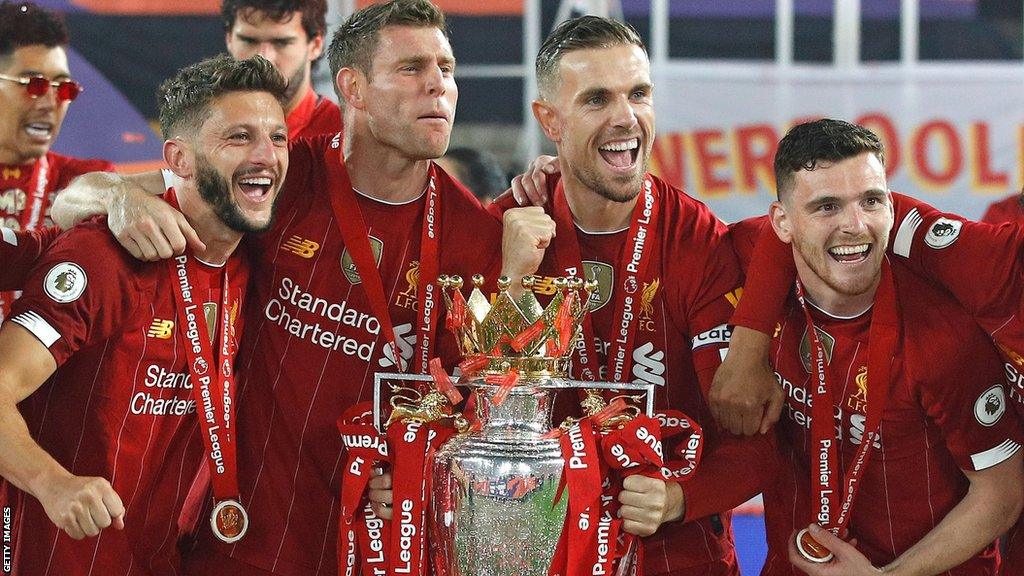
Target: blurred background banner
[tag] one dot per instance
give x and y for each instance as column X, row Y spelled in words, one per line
column 955, row 139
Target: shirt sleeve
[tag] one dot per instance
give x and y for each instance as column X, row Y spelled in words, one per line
column 19, row 252
column 78, row 294
column 979, row 263
column 736, row 470
column 769, row 278
column 964, row 394
column 710, row 302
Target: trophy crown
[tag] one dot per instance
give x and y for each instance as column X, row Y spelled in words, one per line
column 513, row 332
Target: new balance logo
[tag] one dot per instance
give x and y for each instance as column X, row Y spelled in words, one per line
column 161, row 329
column 301, row 247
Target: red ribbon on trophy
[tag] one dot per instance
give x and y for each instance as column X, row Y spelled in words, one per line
column 366, row 533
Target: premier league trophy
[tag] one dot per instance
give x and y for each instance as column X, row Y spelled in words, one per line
column 495, row 509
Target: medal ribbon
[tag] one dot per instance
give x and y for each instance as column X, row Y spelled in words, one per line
column 365, row 448
column 632, row 270
column 212, row 377
column 882, row 338
column 36, row 200
column 356, row 236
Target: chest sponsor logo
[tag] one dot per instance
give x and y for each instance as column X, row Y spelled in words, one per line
column 859, row 401
column 160, row 329
column 649, row 364
column 348, row 267
column 943, row 233
column 544, row 285
column 604, row 274
column 65, row 282
column 407, row 298
column 646, row 320
column 165, row 393
column 406, row 340
column 300, row 247
column 12, row 200
column 805, row 347
column 990, row 406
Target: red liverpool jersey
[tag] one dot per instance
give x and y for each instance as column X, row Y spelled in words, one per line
column 946, row 412
column 27, row 192
column 120, row 405
column 1008, row 209
column 685, row 302
column 315, row 345
column 315, row 115
column 19, row 252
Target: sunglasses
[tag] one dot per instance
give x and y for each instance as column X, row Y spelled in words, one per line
column 36, row 86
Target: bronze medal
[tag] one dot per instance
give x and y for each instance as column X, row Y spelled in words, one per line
column 229, row 521
column 810, row 549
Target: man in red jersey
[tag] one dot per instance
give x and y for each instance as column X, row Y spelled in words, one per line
column 665, row 272
column 365, row 224
column 289, row 33
column 112, row 358
column 35, row 91
column 933, row 456
column 1008, row 209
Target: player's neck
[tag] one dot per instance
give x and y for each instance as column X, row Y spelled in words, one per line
column 382, row 172
column 304, row 89
column 220, row 240
column 593, row 212
column 831, row 301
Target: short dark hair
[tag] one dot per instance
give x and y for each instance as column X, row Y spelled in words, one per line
column 580, row 34
column 821, row 141
column 25, row 24
column 314, row 13
column 355, row 42
column 185, row 99
column 483, row 174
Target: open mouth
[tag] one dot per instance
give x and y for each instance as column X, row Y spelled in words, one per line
column 620, row 153
column 39, row 130
column 850, row 254
column 256, row 188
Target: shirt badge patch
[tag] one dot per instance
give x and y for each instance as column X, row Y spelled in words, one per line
column 647, row 304
column 943, row 233
column 605, row 276
column 65, row 282
column 408, row 298
column 989, row 407
column 805, row 347
column 348, row 267
column 859, row 401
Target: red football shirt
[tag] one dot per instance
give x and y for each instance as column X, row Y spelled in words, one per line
column 120, row 405
column 315, row 115
column 315, row 345
column 686, row 298
column 1008, row 209
column 19, row 252
column 945, row 412
column 16, row 194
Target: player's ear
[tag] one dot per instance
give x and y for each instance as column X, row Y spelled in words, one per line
column 547, row 116
column 316, row 47
column 780, row 221
column 178, row 157
column 351, row 85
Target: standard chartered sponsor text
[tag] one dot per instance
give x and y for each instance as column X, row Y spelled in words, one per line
column 284, row 309
column 151, row 400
